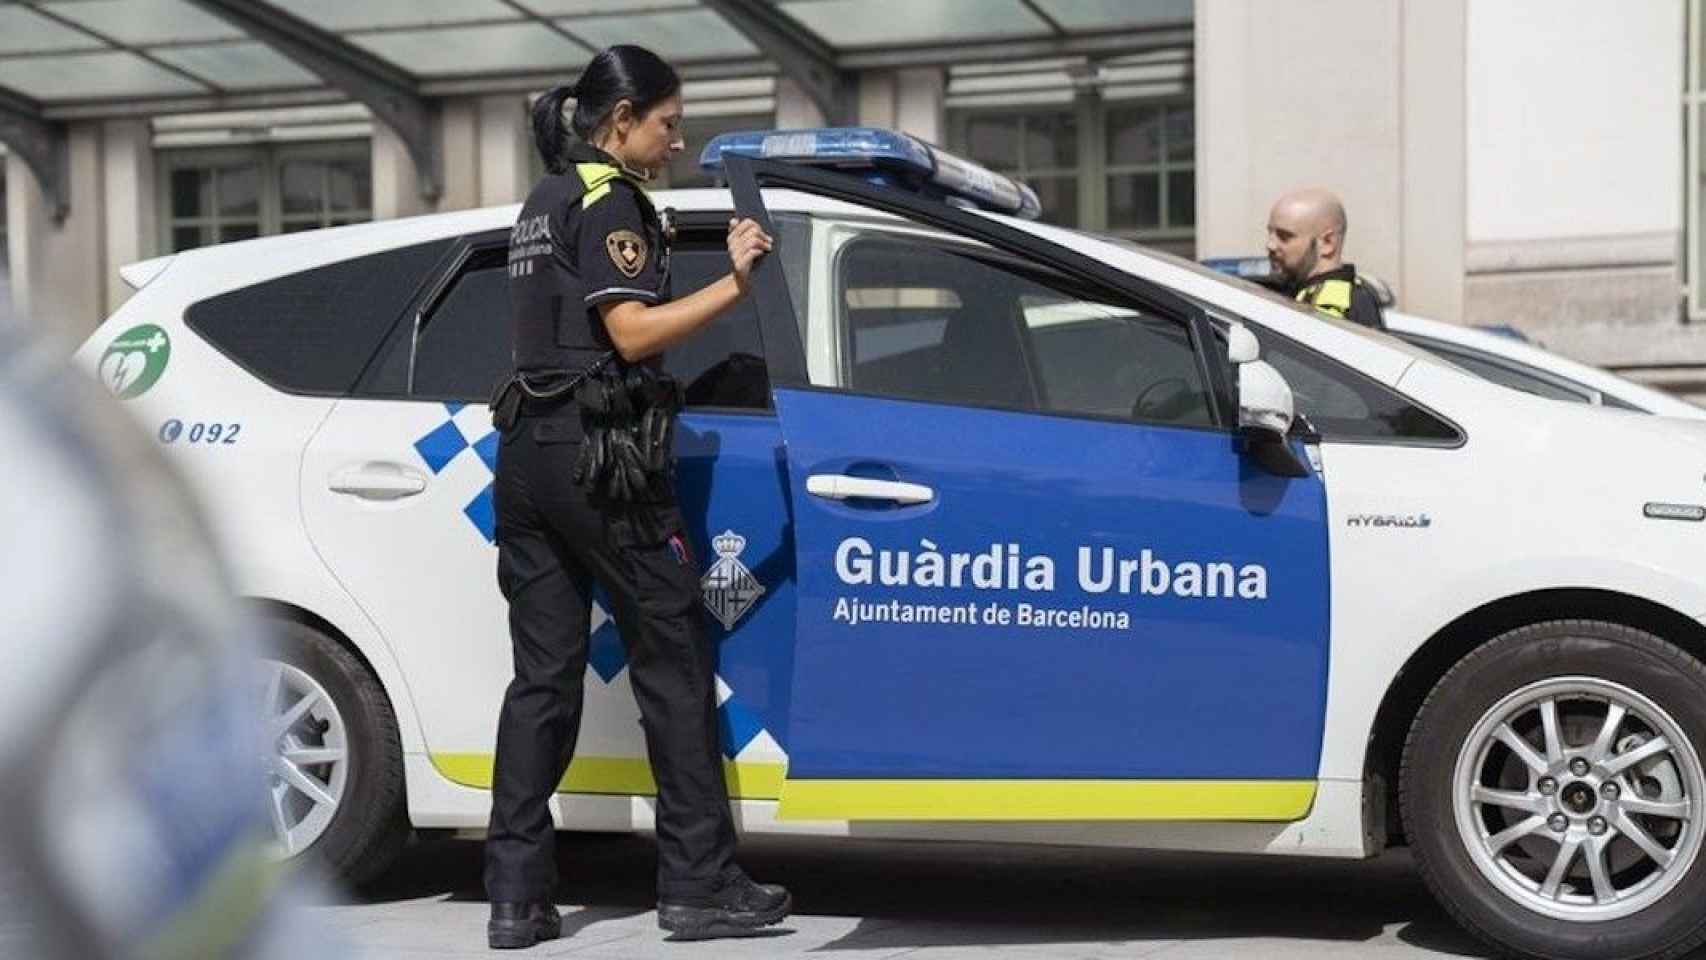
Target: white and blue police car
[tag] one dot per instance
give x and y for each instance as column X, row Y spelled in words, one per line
column 1009, row 533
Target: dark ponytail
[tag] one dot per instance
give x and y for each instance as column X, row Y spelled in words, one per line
column 622, row 72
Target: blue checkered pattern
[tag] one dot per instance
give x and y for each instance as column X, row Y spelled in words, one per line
column 739, row 727
column 439, row 448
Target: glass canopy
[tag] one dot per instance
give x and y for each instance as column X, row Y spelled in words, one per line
column 78, row 53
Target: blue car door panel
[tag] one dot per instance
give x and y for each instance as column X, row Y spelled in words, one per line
column 1037, row 581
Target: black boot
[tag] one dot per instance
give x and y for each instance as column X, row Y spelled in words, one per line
column 516, row 925
column 738, row 908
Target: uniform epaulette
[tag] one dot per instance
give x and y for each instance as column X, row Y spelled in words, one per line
column 597, row 178
column 1331, row 295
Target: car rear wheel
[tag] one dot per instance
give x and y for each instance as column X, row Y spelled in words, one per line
column 335, row 764
column 1554, row 795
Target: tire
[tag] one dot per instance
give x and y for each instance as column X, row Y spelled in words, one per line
column 359, row 835
column 1504, row 864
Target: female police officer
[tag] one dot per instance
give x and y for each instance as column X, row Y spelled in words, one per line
column 589, row 284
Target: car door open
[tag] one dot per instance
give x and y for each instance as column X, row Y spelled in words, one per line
column 1036, row 577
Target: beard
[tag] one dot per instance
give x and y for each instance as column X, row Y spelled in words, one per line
column 1304, row 268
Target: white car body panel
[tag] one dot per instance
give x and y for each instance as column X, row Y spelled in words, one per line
column 1539, row 497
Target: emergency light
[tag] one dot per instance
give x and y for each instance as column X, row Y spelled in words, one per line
column 1250, row 268
column 885, row 157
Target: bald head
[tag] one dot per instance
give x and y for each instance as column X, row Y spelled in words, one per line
column 1306, row 234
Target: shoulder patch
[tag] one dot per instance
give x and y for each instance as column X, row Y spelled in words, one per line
column 627, row 251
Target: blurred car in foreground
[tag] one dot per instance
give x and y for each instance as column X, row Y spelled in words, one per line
column 135, row 820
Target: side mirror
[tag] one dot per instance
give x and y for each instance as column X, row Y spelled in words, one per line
column 1265, row 404
column 1241, row 345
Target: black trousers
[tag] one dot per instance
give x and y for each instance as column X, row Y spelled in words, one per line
column 552, row 545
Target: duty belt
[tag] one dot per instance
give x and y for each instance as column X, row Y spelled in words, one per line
column 537, row 392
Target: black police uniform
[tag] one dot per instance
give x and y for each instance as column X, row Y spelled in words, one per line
column 587, row 237
column 1342, row 293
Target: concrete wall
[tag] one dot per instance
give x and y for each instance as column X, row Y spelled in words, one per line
column 909, row 100
column 1363, row 97
column 794, row 108
column 1574, row 176
column 129, row 186
column 1292, row 95
column 1433, row 181
column 484, row 144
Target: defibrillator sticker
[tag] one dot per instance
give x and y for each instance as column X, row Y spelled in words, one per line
column 134, row 362
column 628, row 251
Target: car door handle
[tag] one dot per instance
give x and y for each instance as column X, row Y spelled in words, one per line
column 378, row 481
column 837, row 486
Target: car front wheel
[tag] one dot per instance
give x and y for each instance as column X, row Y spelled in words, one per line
column 1553, row 792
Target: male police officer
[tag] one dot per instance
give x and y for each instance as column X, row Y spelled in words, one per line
column 1306, row 239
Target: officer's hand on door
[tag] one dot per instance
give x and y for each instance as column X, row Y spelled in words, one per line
column 747, row 242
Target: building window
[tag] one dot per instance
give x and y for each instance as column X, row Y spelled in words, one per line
column 1124, row 167
column 1040, row 147
column 1151, row 170
column 220, row 195
column 324, row 191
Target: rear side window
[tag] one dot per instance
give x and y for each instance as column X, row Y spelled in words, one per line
column 313, row 332
column 464, row 342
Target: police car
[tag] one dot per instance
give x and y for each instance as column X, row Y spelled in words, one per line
column 1008, row 533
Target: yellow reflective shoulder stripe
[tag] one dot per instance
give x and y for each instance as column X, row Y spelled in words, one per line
column 1334, row 296
column 596, row 177
column 594, row 174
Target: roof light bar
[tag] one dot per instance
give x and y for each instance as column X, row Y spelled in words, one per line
column 884, row 157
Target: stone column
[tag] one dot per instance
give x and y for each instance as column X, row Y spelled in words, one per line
column 132, row 201
column 506, row 150
column 59, row 270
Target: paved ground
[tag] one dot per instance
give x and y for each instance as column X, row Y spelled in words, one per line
column 933, row 902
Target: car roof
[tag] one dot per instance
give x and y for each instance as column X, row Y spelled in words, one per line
column 1510, row 348
column 209, row 271
column 215, row 269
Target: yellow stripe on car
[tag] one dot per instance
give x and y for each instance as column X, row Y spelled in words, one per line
column 623, row 776
column 1262, row 800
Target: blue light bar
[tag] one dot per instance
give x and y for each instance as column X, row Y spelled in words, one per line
column 884, row 157
column 1250, row 268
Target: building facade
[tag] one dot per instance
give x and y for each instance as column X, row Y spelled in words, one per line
column 1532, row 163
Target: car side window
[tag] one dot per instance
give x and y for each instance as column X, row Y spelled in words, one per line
column 929, row 319
column 465, row 340
column 314, row 332
column 721, row 366
column 1345, row 405
column 1114, row 362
